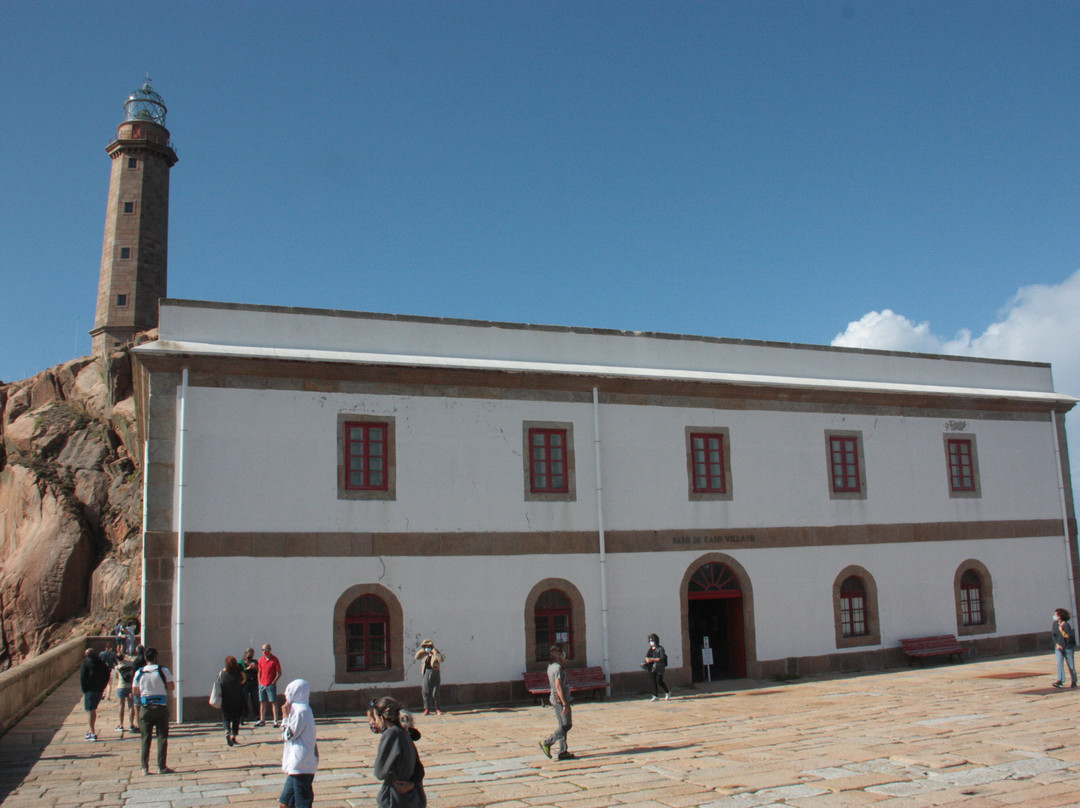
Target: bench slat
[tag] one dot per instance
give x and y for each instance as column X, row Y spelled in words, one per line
column 942, row 645
column 577, row 680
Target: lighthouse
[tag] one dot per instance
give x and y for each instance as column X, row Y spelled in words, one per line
column 134, row 256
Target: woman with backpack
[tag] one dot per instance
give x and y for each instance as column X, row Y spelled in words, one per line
column 397, row 763
column 230, row 687
column 656, row 663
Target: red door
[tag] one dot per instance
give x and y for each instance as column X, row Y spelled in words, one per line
column 715, row 611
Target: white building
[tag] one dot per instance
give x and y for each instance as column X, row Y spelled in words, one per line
column 343, row 485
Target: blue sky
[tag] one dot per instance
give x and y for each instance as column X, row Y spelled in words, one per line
column 894, row 174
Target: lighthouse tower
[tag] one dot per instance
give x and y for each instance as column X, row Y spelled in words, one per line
column 134, row 257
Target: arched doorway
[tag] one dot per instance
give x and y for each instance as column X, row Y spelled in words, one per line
column 715, row 615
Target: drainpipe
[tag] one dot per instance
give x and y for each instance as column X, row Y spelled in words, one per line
column 145, row 488
column 600, row 530
column 1064, row 510
column 181, row 415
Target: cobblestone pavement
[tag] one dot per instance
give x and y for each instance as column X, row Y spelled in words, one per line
column 984, row 733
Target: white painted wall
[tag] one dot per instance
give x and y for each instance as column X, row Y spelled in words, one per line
column 478, row 617
column 265, row 460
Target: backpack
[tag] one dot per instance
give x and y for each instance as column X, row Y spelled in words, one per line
column 99, row 676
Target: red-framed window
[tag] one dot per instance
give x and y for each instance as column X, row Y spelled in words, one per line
column 554, row 622
column 961, row 464
column 971, row 600
column 844, row 464
column 367, row 634
column 366, row 456
column 707, row 457
column 547, row 461
column 853, row 607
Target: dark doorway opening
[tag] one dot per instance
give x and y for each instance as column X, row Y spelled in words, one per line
column 715, row 611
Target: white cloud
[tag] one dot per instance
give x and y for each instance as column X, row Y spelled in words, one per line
column 1040, row 324
column 888, row 331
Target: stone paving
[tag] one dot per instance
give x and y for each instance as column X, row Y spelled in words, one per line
column 984, row 733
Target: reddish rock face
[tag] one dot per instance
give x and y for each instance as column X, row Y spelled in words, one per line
column 70, row 502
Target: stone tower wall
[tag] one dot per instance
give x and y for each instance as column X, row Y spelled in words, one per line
column 134, row 254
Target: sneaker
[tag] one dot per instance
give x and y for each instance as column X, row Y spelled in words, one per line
column 90, row 736
column 427, row 712
column 275, row 725
column 86, row 737
column 259, row 723
column 229, row 740
column 667, row 696
column 545, row 747
column 439, row 712
column 567, row 756
column 146, row 771
column 652, row 698
column 166, row 770
column 1057, row 684
column 120, row 729
column 133, row 728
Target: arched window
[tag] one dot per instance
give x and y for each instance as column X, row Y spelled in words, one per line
column 974, row 592
column 712, row 579
column 369, row 636
column 367, row 633
column 971, row 599
column 853, row 607
column 554, row 621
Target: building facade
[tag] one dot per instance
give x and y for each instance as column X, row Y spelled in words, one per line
column 343, row 485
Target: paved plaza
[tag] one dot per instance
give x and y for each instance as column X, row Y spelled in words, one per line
column 984, row 733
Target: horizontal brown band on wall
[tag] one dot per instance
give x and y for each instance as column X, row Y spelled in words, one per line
column 366, row 545
column 525, row 385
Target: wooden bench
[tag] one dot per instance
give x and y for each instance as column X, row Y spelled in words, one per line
column 578, row 680
column 921, row 647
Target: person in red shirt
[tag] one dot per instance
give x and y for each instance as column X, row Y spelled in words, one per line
column 269, row 673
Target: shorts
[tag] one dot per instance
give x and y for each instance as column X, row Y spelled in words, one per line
column 123, row 693
column 90, row 701
column 268, row 693
column 298, row 792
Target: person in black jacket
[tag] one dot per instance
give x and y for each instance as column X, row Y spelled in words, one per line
column 94, row 678
column 656, row 663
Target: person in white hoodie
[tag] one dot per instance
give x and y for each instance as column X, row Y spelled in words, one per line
column 300, row 758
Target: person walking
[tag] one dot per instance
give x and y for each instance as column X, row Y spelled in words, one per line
column 433, row 659
column 153, row 685
column 1064, row 646
column 125, row 673
column 138, row 660
column 230, row 682
column 108, row 656
column 300, row 757
column 656, row 664
column 269, row 673
column 93, row 679
column 397, row 763
column 560, row 700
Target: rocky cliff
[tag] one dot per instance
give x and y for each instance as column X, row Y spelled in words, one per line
column 70, row 503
